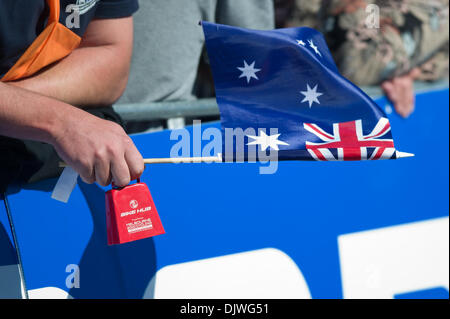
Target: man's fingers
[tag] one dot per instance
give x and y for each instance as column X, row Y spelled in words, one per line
column 401, row 95
column 135, row 162
column 120, row 172
column 410, row 97
column 102, row 173
column 400, row 92
column 413, row 103
column 391, row 91
column 414, row 74
column 99, row 150
column 406, row 96
column 386, row 86
column 88, row 176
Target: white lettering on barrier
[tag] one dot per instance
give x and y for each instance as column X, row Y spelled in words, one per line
column 263, row 273
column 383, row 262
column 375, row 263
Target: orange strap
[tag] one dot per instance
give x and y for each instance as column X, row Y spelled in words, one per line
column 53, row 44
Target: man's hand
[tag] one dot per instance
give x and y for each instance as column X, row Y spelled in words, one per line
column 99, row 150
column 400, row 91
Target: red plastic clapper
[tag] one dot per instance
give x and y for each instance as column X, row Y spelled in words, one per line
column 131, row 214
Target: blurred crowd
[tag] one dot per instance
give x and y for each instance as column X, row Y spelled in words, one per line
column 379, row 42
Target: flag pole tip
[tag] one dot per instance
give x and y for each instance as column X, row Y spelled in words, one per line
column 403, row 154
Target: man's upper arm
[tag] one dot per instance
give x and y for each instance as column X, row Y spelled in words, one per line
column 112, row 24
column 104, row 32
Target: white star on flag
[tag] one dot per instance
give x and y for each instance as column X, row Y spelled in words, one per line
column 301, row 42
column 314, row 47
column 266, row 141
column 249, row 71
column 311, row 95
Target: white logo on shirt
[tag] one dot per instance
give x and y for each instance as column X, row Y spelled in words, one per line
column 83, row 6
column 75, row 10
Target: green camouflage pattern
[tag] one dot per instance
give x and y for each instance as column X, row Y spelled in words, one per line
column 410, row 34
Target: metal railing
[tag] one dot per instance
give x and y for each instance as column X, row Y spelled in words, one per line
column 167, row 110
column 208, row 107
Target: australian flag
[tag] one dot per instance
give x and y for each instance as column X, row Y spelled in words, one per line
column 283, row 92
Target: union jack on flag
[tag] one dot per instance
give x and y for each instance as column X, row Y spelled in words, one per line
column 350, row 142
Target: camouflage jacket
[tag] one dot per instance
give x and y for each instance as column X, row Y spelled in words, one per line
column 374, row 40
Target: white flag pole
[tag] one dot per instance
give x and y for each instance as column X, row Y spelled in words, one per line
column 214, row 159
column 403, row 154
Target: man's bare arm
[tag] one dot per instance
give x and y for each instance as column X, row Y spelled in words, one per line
column 97, row 149
column 27, row 115
column 96, row 73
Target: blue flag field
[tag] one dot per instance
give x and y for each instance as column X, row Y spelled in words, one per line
column 283, row 89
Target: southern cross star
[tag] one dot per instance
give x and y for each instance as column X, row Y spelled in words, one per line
column 300, row 42
column 311, row 95
column 249, row 71
column 266, row 141
column 314, row 47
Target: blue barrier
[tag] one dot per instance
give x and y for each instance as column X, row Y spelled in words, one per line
column 305, row 210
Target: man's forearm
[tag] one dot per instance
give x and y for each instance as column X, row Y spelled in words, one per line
column 27, row 115
column 88, row 77
column 99, row 150
column 93, row 75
